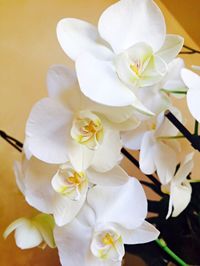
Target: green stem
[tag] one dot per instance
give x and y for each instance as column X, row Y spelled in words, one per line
column 161, row 243
column 171, row 137
column 174, row 92
column 196, row 128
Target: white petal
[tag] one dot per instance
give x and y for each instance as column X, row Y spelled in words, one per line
column 131, row 21
column 164, row 127
column 165, row 160
column 146, row 159
column 127, row 202
column 171, row 47
column 109, row 152
column 115, row 177
column 45, row 225
column 191, row 79
column 37, row 180
column 59, row 79
column 155, row 100
column 13, row 226
column 132, row 139
column 145, row 233
column 181, row 196
column 193, row 97
column 173, row 81
column 77, row 36
column 114, row 114
column 170, row 207
column 185, row 168
column 19, row 176
column 80, row 156
column 99, row 82
column 73, row 242
column 46, row 131
column 65, row 210
column 27, row 236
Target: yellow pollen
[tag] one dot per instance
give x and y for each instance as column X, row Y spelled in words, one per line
column 135, row 68
column 108, row 240
column 75, row 179
column 91, row 127
column 153, row 126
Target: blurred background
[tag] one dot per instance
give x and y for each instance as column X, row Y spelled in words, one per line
column 28, row 46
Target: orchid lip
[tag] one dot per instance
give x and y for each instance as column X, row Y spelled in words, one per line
column 69, row 183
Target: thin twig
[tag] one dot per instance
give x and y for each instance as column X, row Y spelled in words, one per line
column 193, row 139
column 12, row 141
column 190, row 50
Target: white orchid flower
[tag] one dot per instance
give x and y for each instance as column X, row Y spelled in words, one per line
column 115, row 216
column 192, row 81
column 59, row 189
column 129, row 50
column 158, row 149
column 63, row 127
column 30, row 233
column 179, row 188
column 156, row 98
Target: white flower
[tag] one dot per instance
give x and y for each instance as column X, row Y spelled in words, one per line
column 32, row 232
column 59, row 189
column 129, row 50
column 64, row 126
column 192, row 81
column 158, row 152
column 179, row 188
column 97, row 236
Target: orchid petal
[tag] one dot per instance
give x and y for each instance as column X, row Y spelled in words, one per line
column 46, row 131
column 26, row 234
column 115, row 177
column 145, row 233
column 165, row 160
column 171, row 47
column 185, row 168
column 80, row 156
column 109, row 152
column 73, row 243
column 77, row 36
column 99, row 82
column 59, row 79
column 146, row 159
column 45, row 224
column 133, row 139
column 181, row 196
column 128, row 198
column 131, row 21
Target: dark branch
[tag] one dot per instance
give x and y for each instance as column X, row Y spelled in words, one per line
column 193, row 139
column 12, row 141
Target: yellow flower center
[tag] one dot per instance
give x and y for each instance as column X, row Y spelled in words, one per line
column 87, row 129
column 69, row 183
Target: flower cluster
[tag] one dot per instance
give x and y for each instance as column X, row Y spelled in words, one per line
column 125, row 70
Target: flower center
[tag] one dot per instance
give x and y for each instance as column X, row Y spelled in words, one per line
column 87, row 129
column 107, row 245
column 69, row 183
column 136, row 68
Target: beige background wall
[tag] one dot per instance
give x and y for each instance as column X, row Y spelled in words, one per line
column 187, row 12
column 28, row 46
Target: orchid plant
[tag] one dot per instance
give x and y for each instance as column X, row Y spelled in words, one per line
column 126, row 70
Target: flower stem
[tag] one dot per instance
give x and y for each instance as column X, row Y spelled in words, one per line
column 193, row 139
column 196, row 128
column 161, row 243
column 12, row 141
